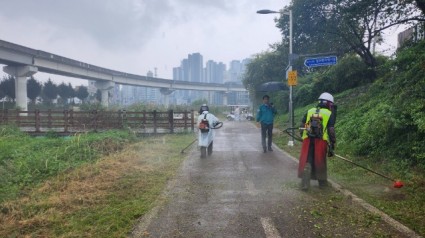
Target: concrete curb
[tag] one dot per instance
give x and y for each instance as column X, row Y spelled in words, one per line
column 392, row 222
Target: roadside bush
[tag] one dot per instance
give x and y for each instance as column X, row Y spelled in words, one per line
column 349, row 73
column 379, row 118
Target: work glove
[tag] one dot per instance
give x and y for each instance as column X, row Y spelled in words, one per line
column 331, row 150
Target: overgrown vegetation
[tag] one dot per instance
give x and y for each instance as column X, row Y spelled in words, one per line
column 379, row 125
column 27, row 161
column 99, row 199
column 386, row 119
column 383, row 118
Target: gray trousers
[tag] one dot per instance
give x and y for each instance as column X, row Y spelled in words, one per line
column 266, row 130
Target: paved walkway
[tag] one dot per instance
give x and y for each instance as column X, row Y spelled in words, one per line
column 238, row 191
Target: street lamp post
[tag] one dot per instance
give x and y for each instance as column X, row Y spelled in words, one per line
column 291, row 109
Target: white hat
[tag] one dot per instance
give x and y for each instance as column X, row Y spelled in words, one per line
column 327, row 97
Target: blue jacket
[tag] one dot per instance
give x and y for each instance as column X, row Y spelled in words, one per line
column 265, row 114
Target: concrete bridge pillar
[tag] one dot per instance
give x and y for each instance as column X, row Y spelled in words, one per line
column 225, row 96
column 104, row 87
column 21, row 73
column 210, row 98
column 166, row 92
column 166, row 100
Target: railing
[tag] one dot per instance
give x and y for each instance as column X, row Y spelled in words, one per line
column 69, row 121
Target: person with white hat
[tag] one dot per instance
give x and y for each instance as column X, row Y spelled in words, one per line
column 319, row 140
column 207, row 122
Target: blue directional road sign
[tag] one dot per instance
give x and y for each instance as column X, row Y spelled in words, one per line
column 322, row 61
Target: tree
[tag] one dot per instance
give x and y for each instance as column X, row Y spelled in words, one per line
column 421, row 5
column 71, row 92
column 345, row 25
column 308, row 36
column 266, row 67
column 2, row 94
column 33, row 89
column 82, row 93
column 50, row 91
column 65, row 92
column 8, row 87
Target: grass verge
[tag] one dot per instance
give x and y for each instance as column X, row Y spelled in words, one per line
column 100, row 199
column 27, row 161
column 405, row 204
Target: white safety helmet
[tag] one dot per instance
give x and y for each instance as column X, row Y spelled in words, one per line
column 327, row 97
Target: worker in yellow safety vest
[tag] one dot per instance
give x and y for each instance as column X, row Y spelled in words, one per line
column 318, row 134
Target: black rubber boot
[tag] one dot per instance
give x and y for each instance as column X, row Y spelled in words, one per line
column 305, row 181
column 203, row 152
column 323, row 184
column 210, row 149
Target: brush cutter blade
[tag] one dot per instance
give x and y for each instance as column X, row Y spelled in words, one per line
column 398, row 184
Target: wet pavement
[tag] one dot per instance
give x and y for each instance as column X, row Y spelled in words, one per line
column 238, row 191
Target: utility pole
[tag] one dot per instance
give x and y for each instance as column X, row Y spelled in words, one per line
column 291, row 108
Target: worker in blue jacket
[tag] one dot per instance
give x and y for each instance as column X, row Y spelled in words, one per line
column 265, row 115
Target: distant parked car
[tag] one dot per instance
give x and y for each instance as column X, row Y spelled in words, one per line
column 249, row 117
column 230, row 117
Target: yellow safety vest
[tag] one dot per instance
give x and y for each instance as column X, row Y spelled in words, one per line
column 326, row 114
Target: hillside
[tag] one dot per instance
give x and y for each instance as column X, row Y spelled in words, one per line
column 380, row 125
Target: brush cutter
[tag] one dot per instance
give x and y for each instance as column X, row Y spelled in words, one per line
column 188, row 146
column 396, row 184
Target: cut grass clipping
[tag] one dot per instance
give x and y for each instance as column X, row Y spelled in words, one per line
column 103, row 199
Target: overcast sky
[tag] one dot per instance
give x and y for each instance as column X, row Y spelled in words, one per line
column 135, row 36
column 138, row 35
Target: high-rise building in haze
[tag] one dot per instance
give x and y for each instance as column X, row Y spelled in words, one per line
column 244, row 64
column 221, row 72
column 235, row 71
column 152, row 94
column 196, row 66
column 214, row 72
column 210, row 71
column 178, row 73
column 185, row 69
column 192, row 70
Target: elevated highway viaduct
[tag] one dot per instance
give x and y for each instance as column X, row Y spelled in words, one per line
column 22, row 62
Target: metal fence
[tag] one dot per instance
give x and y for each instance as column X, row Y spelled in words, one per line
column 69, row 121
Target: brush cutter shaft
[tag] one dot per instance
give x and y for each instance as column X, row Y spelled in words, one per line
column 188, row 146
column 364, row 168
column 397, row 183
